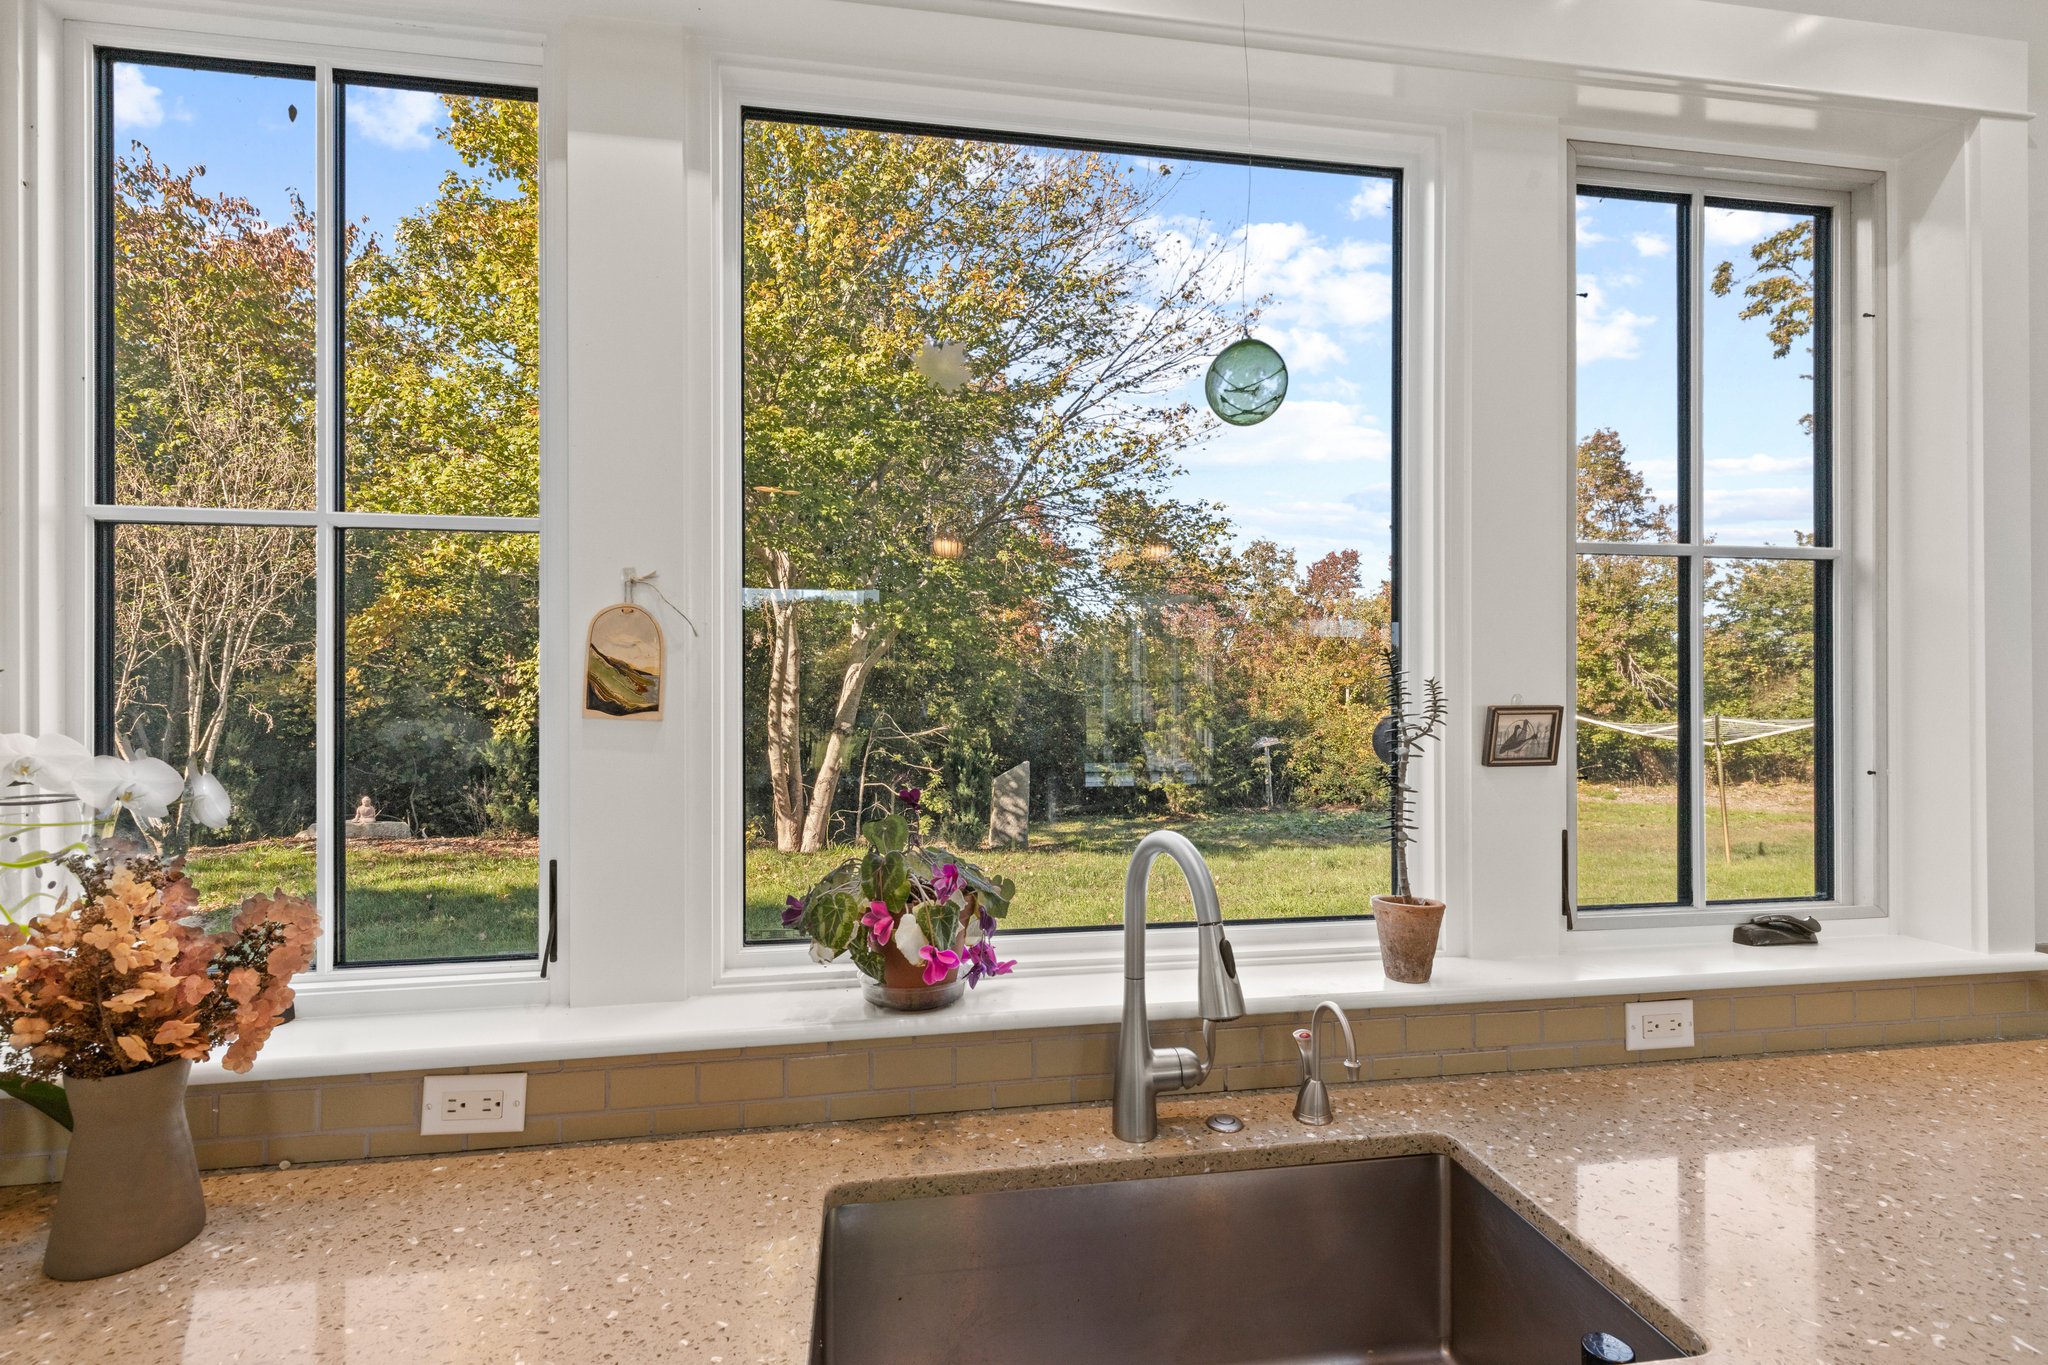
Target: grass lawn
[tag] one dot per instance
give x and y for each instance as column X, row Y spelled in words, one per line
column 407, row 900
column 1288, row 864
column 1628, row 844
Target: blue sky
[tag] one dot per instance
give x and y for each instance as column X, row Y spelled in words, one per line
column 1758, row 462
column 240, row 128
column 1317, row 475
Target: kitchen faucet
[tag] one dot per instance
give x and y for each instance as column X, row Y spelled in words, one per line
column 1142, row 1071
column 1312, row 1105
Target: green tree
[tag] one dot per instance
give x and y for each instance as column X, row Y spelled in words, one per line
column 1628, row 613
column 1046, row 270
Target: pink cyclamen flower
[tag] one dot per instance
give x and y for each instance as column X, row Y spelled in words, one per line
column 946, row 881
column 878, row 922
column 938, row 962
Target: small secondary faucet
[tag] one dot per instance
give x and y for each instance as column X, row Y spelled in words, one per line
column 1312, row 1105
column 1142, row 1071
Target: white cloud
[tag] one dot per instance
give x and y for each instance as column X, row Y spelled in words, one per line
column 399, row 119
column 1374, row 198
column 1606, row 334
column 1760, row 464
column 1652, row 244
column 1317, row 283
column 1758, row 516
column 1304, row 431
column 1582, row 227
column 137, row 103
column 1312, row 283
column 1745, row 227
column 1306, row 350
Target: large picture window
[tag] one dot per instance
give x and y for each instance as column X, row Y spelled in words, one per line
column 996, row 545
column 318, row 541
column 1706, row 547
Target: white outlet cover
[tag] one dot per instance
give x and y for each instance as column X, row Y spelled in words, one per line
column 441, row 1096
column 1658, row 1024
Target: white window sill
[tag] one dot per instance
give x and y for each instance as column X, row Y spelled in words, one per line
column 834, row 1012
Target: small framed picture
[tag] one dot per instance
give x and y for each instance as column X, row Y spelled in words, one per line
column 1522, row 736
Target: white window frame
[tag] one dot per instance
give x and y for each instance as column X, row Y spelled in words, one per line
column 1856, row 203
column 717, row 957
column 330, row 989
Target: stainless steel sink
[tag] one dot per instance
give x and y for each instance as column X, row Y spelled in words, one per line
column 1391, row 1261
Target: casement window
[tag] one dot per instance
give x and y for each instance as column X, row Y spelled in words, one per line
column 1708, row 542
column 317, row 495
column 996, row 545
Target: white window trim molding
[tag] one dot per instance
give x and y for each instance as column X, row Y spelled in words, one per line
column 63, row 533
column 1855, row 198
column 737, row 81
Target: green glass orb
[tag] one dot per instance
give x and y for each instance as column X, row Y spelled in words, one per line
column 1247, row 382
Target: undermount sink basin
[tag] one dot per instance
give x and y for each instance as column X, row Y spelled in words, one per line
column 1391, row 1261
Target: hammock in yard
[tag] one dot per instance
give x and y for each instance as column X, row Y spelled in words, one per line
column 1720, row 730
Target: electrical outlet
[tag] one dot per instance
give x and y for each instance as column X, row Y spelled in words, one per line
column 1658, row 1024
column 473, row 1104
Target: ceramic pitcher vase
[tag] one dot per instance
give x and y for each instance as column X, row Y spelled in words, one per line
column 131, row 1183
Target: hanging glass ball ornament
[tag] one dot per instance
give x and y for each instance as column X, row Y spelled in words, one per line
column 1247, row 382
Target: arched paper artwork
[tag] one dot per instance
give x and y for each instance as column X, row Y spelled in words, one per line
column 622, row 670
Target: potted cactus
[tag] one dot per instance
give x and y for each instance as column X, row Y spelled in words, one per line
column 1408, row 925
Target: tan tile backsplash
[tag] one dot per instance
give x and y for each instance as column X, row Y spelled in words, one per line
column 342, row 1118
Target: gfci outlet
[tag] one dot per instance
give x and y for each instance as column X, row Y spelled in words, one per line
column 1659, row 1023
column 473, row 1104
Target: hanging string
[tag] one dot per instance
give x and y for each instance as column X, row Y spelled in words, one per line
column 634, row 580
column 1244, row 270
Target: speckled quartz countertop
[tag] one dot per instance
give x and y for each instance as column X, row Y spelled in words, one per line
column 1881, row 1206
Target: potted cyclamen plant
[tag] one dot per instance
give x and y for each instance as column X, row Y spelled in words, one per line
column 1406, row 924
column 117, row 986
column 918, row 922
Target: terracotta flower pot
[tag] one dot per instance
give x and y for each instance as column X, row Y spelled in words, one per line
column 903, row 987
column 131, row 1184
column 1408, row 927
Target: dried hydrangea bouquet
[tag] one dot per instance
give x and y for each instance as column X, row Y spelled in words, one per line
column 113, row 982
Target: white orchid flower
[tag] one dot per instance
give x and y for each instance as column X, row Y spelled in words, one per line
column 909, row 938
column 144, row 787
column 46, row 761
column 207, row 801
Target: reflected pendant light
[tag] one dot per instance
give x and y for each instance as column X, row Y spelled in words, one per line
column 1247, row 381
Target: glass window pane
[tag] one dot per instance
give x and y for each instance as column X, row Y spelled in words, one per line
column 1760, row 778
column 440, row 197
column 212, row 669
column 1759, row 394
column 440, row 729
column 1629, row 814
column 991, row 522
column 212, row 176
column 1629, row 324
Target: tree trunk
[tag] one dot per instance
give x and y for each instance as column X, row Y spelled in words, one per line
column 869, row 645
column 785, row 753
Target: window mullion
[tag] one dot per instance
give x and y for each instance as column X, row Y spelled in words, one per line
column 327, row 479
column 1692, row 701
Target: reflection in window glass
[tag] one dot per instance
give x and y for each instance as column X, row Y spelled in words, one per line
column 440, row 745
column 440, row 197
column 211, row 671
column 1629, row 325
column 211, row 273
column 1759, row 393
column 1758, row 730
column 990, row 522
column 1631, row 828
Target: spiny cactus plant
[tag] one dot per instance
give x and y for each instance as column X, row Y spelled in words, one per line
column 1403, row 738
